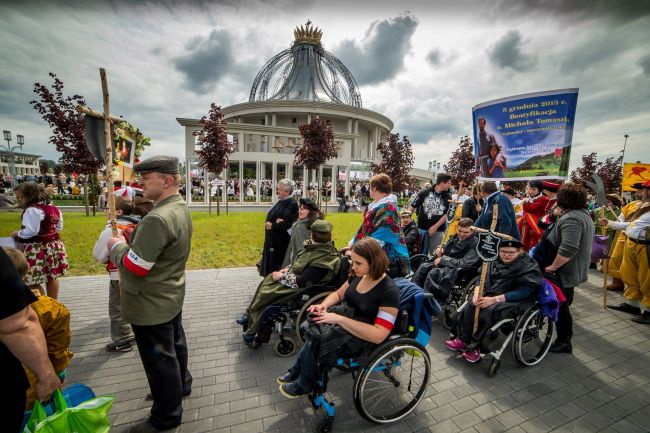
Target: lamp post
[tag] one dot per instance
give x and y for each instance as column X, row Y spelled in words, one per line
column 10, row 150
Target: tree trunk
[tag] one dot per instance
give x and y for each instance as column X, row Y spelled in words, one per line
column 218, row 201
column 93, row 189
column 209, row 199
column 85, row 187
column 227, row 199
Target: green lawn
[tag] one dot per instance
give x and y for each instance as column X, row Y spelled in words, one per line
column 219, row 242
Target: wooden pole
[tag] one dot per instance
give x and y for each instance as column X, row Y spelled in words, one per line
column 605, row 261
column 479, row 290
column 108, row 158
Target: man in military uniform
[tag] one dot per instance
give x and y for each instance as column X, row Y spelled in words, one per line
column 635, row 269
column 152, row 279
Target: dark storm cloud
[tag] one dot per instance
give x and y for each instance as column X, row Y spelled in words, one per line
column 644, row 62
column 434, row 57
column 507, row 53
column 614, row 10
column 380, row 54
column 207, row 60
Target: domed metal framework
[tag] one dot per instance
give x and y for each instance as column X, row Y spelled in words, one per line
column 306, row 72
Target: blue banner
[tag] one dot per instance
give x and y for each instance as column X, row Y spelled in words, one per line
column 525, row 137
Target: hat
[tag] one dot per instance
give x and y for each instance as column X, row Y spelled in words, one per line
column 637, row 185
column 614, row 198
column 510, row 243
column 309, row 204
column 645, row 184
column 509, row 191
column 405, row 212
column 160, row 164
column 550, row 186
column 321, row 226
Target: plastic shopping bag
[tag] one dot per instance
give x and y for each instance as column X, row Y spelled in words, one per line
column 88, row 417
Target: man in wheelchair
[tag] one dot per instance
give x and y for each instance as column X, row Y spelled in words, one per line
column 454, row 261
column 511, row 287
column 372, row 301
column 317, row 264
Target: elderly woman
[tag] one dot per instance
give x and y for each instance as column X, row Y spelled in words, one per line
column 513, row 285
column 382, row 222
column 317, row 264
column 308, row 212
column 372, row 301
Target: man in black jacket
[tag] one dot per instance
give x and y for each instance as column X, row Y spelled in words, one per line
column 449, row 263
column 411, row 232
column 278, row 222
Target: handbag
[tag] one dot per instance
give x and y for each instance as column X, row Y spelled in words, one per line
column 599, row 248
column 88, row 417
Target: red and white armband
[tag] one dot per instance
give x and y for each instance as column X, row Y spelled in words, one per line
column 385, row 320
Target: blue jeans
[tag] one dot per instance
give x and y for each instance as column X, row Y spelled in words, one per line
column 305, row 366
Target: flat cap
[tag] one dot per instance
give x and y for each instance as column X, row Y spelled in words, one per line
column 514, row 243
column 614, row 198
column 309, row 204
column 405, row 212
column 160, row 164
column 321, row 226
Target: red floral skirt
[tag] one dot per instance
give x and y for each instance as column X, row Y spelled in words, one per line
column 47, row 261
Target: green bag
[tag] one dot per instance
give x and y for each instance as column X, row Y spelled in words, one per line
column 88, row 417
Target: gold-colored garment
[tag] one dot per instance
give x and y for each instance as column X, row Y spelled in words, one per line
column 616, row 257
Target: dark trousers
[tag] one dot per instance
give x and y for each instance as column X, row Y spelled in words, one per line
column 564, row 323
column 163, row 351
column 12, row 403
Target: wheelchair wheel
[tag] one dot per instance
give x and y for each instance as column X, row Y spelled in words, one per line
column 494, row 367
column 302, row 315
column 449, row 312
column 533, row 336
column 284, row 347
column 393, row 382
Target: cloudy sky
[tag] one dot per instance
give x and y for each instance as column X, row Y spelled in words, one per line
column 424, row 64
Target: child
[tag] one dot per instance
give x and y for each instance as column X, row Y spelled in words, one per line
column 121, row 332
column 43, row 248
column 54, row 318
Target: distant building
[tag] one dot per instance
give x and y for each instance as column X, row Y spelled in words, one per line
column 293, row 86
column 25, row 163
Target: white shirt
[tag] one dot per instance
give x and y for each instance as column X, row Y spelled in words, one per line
column 32, row 222
column 635, row 229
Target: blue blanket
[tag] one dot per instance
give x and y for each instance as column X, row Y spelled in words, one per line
column 420, row 309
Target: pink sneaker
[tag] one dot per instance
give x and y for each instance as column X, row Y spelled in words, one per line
column 456, row 344
column 472, row 355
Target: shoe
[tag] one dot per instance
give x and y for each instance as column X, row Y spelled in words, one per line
column 127, row 346
column 248, row 338
column 626, row 308
column 287, row 377
column 643, row 319
column 293, row 390
column 456, row 344
column 147, row 426
column 616, row 286
column 592, row 265
column 472, row 355
column 243, row 320
column 561, row 347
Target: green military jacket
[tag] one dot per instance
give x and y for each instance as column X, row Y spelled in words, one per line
column 152, row 269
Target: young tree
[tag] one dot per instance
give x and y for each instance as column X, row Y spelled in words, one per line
column 611, row 172
column 68, row 127
column 462, row 165
column 396, row 161
column 590, row 165
column 317, row 147
column 43, row 168
column 214, row 147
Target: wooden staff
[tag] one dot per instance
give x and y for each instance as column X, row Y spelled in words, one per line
column 478, row 291
column 603, row 231
column 108, row 157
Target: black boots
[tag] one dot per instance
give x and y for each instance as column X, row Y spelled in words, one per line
column 561, row 347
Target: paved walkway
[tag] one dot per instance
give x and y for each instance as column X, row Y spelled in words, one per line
column 604, row 386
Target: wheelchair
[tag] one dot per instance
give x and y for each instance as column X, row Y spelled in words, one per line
column 287, row 317
column 390, row 380
column 529, row 334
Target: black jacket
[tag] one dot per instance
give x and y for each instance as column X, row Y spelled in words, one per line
column 412, row 237
column 277, row 239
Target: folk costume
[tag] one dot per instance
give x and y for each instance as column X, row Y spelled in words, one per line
column 276, row 240
column 381, row 222
column 506, row 221
column 519, row 281
column 42, row 246
column 459, row 257
column 152, row 279
column 616, row 253
column 548, row 218
column 316, row 264
column 533, row 209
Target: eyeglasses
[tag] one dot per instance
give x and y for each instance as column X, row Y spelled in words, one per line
column 508, row 253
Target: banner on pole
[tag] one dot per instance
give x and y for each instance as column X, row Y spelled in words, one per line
column 525, row 137
column 634, row 173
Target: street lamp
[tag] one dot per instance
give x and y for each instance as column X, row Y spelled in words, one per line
column 20, row 139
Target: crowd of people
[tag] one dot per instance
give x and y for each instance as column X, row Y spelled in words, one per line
column 546, row 233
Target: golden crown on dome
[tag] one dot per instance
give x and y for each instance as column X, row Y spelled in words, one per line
column 307, row 34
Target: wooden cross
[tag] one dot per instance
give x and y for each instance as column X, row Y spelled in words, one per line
column 478, row 290
column 108, row 157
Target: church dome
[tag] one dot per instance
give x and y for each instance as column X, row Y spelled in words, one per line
column 306, row 72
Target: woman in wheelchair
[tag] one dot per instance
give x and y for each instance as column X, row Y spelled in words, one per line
column 318, row 263
column 511, row 287
column 372, row 301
